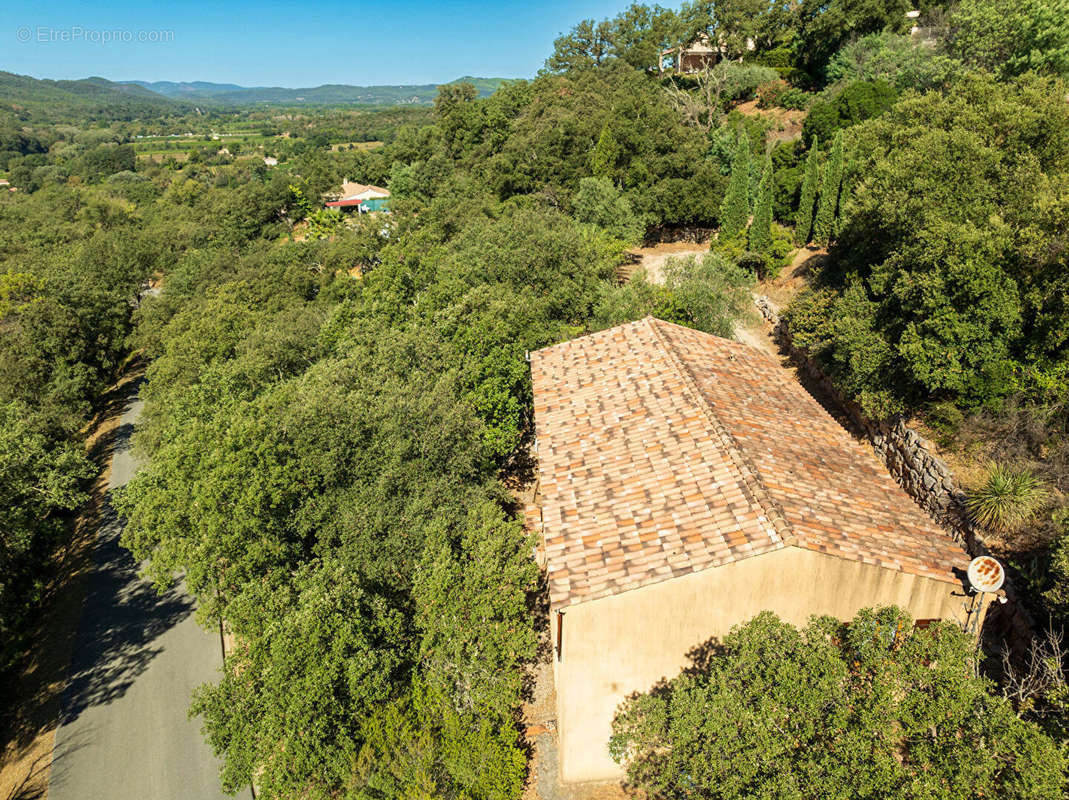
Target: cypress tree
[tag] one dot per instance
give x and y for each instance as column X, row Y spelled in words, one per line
column 735, row 210
column 804, row 221
column 761, row 229
column 829, row 194
column 847, row 186
column 606, row 154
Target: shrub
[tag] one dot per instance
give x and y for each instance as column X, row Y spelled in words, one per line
column 739, row 82
column 599, row 202
column 768, row 94
column 1007, row 499
column 794, row 99
column 779, row 94
column 1010, row 37
column 857, row 102
column 896, row 59
column 709, row 293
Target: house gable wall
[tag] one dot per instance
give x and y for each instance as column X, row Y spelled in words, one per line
column 617, row 645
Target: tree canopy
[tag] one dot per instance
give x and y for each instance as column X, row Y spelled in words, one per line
column 868, row 709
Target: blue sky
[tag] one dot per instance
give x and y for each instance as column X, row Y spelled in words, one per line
column 287, row 44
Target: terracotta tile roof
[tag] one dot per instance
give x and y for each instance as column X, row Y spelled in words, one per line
column 664, row 451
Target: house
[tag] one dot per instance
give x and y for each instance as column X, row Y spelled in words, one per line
column 362, row 197
column 270, row 161
column 700, row 54
column 685, row 484
column 694, row 57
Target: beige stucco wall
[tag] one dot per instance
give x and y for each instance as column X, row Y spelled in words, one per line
column 625, row 643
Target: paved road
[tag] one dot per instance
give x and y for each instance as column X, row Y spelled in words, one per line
column 124, row 733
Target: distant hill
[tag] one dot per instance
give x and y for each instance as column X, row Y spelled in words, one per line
column 183, row 90
column 330, row 94
column 99, row 97
column 91, row 96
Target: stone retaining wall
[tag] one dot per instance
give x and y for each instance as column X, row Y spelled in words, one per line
column 924, row 476
column 658, row 234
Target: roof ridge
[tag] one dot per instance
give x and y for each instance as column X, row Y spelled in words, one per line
column 778, row 530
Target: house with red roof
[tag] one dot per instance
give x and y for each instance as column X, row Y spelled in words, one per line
column 685, row 484
column 360, row 197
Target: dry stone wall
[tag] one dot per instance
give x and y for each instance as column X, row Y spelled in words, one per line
column 924, row 476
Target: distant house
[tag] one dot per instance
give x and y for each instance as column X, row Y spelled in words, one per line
column 694, row 57
column 361, row 197
column 270, row 161
column 685, row 484
column 700, row 54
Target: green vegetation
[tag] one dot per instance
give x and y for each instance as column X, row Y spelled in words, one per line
column 761, row 228
column 735, row 210
column 1011, row 38
column 867, row 709
column 335, row 405
column 855, row 102
column 92, row 98
column 828, row 204
column 803, row 224
column 945, row 280
column 897, row 60
column 338, row 408
column 1007, row 498
column 73, row 260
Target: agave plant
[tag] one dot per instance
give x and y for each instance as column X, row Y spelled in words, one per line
column 1007, row 499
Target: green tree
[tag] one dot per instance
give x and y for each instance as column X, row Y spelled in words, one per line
column 803, row 223
column 940, row 274
column 896, row 59
column 828, row 204
column 584, row 47
column 1009, row 38
column 422, row 746
column 824, row 27
column 710, row 293
column 606, row 155
column 761, row 229
column 40, row 478
column 867, row 709
column 735, row 210
column 856, row 102
column 599, row 202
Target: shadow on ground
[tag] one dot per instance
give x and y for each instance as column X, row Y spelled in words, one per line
column 122, row 617
column 34, row 784
column 31, row 698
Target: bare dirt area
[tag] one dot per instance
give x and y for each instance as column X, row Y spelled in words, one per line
column 795, row 277
column 786, row 122
column 652, row 259
column 27, row 731
column 791, row 280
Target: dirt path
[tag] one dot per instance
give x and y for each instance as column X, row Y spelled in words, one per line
column 29, row 730
column 652, row 259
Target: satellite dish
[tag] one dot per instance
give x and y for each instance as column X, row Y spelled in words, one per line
column 986, row 574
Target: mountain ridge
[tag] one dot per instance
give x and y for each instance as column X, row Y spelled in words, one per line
column 342, row 93
column 127, row 99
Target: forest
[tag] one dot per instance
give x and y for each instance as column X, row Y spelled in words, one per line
column 338, row 409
